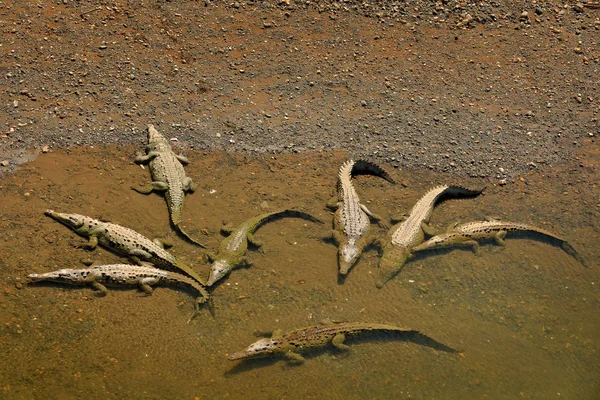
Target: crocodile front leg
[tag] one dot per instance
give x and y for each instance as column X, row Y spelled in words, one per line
column 429, row 230
column 182, row 159
column 101, row 289
column 293, row 358
column 156, row 185
column 92, row 242
column 142, row 159
column 334, row 203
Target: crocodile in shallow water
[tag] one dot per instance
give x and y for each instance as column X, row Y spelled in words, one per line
column 401, row 238
column 120, row 274
column 232, row 250
column 291, row 343
column 469, row 233
column 351, row 219
column 168, row 176
column 123, row 241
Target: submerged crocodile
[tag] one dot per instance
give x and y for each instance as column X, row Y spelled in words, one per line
column 396, row 246
column 291, row 343
column 123, row 241
column 469, row 233
column 232, row 250
column 119, row 274
column 351, row 219
column 168, row 176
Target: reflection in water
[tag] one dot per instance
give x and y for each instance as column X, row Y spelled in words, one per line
column 524, row 317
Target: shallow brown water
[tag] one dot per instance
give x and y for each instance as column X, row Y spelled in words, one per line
column 524, row 317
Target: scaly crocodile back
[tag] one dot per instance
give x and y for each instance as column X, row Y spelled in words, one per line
column 165, row 167
column 352, row 218
column 407, row 232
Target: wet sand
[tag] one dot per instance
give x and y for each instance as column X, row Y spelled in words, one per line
column 524, row 317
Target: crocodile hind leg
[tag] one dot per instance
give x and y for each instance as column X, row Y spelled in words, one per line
column 253, row 241
column 145, row 284
column 499, row 238
column 152, row 186
column 375, row 217
column 189, row 185
column 428, row 229
column 338, row 342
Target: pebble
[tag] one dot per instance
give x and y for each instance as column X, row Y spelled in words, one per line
column 45, row 149
column 4, row 163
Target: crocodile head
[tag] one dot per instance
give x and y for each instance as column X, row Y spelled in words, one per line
column 348, row 256
column 62, row 275
column 261, row 348
column 73, row 221
column 391, row 262
column 219, row 269
column 155, row 139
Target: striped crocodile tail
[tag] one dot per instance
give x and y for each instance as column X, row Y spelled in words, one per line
column 570, row 250
column 461, row 192
column 363, row 167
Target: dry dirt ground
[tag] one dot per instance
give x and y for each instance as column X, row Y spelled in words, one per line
column 481, row 89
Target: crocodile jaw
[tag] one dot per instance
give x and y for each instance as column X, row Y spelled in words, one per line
column 62, row 275
column 219, row 269
column 261, row 348
column 348, row 255
column 72, row 221
column 391, row 263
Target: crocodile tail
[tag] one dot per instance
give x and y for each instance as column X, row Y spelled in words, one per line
column 461, row 191
column 363, row 167
column 570, row 250
column 188, row 237
column 263, row 219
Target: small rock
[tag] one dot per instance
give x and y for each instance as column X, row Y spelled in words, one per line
column 578, row 50
column 264, row 206
column 4, row 163
column 45, row 149
column 578, row 7
column 363, row 103
column 267, row 24
column 524, row 16
column 503, row 182
column 19, row 285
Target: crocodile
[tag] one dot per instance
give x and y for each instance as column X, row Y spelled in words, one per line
column 168, row 176
column 120, row 274
column 402, row 237
column 232, row 250
column 123, row 241
column 351, row 219
column 291, row 343
column 469, row 233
